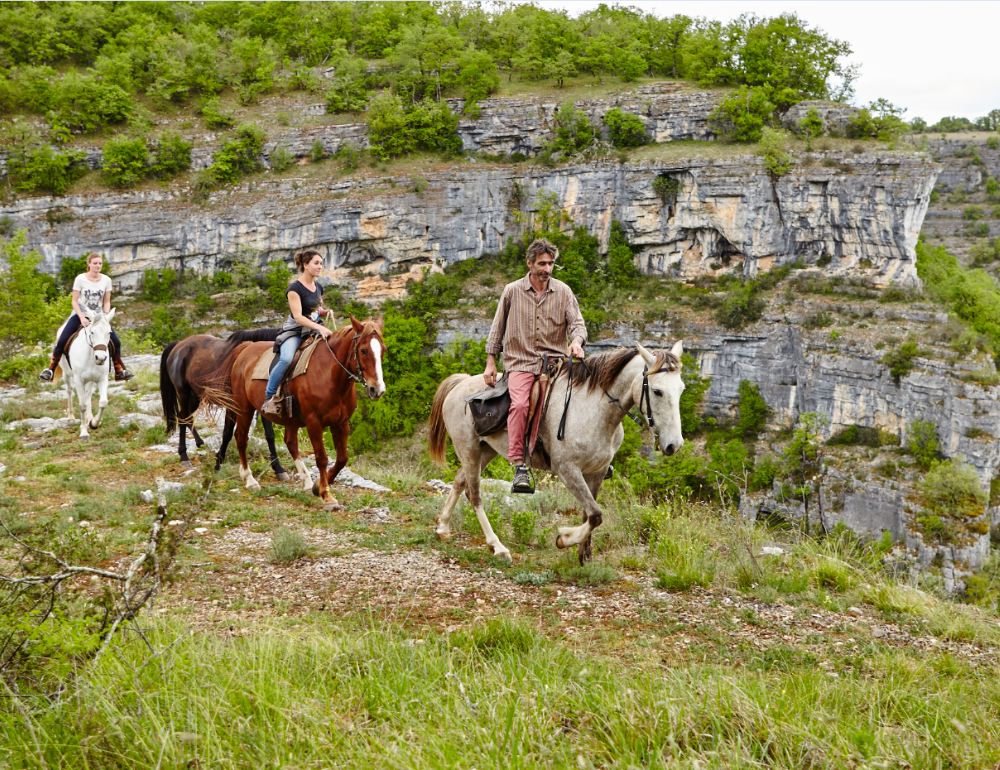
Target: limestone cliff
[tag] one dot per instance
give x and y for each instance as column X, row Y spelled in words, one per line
column 837, row 208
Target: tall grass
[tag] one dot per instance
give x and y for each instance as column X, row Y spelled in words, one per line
column 500, row 695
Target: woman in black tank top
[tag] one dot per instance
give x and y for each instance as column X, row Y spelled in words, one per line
column 305, row 301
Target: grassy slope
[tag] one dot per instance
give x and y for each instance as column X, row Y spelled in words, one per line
column 810, row 658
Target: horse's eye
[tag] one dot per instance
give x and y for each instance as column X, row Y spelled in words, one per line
column 364, row 352
column 657, row 392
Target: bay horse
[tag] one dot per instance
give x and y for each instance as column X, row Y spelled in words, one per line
column 191, row 365
column 609, row 386
column 85, row 362
column 324, row 395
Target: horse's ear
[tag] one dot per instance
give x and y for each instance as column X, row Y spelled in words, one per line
column 677, row 351
column 379, row 322
column 358, row 326
column 111, row 315
column 648, row 357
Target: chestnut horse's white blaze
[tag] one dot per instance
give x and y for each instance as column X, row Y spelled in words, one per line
column 377, row 352
column 86, row 365
column 593, row 433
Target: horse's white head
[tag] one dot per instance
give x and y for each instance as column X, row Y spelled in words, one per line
column 664, row 400
column 98, row 334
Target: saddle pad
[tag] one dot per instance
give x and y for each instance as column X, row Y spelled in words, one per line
column 261, row 370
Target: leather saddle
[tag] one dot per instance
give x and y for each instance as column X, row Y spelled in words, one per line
column 491, row 407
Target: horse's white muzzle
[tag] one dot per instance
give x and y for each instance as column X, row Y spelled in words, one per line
column 670, row 446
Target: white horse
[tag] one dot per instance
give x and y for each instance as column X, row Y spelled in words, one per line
column 86, row 363
column 610, row 385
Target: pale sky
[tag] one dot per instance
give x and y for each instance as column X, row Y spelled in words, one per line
column 933, row 57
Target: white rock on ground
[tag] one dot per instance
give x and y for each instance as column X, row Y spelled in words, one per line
column 150, row 404
column 42, row 424
column 140, row 419
column 11, row 394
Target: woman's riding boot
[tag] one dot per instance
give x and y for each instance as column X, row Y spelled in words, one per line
column 121, row 373
column 48, row 374
column 271, row 406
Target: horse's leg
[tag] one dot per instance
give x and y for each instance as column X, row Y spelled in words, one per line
column 292, row 443
column 477, row 460
column 279, row 471
column 227, row 436
column 242, row 437
column 198, row 441
column 443, row 530
column 68, row 382
column 585, row 550
column 83, row 403
column 182, row 446
column 577, row 484
column 339, row 435
column 321, row 487
column 102, row 402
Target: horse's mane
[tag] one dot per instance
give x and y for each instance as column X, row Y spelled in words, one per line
column 348, row 331
column 602, row 370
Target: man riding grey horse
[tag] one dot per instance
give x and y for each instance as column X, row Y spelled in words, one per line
column 535, row 317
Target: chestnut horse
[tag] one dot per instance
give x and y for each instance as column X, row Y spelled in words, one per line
column 190, row 366
column 325, row 398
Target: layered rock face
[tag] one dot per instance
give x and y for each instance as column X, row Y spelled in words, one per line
column 726, row 213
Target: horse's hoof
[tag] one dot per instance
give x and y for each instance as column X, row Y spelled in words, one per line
column 85, row 437
column 283, row 477
column 559, row 542
column 91, row 426
column 186, row 463
column 443, row 535
column 505, row 555
column 255, row 487
column 315, row 488
column 333, row 507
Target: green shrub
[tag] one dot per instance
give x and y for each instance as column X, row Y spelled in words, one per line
column 43, row 169
column 349, row 155
column 922, row 442
column 690, row 564
column 277, row 278
column 901, row 360
column 742, row 116
column 317, row 152
column 695, row 387
column 752, row 410
column 985, row 251
column 992, row 186
column 772, row 149
column 239, row 156
column 70, row 268
column 950, row 494
column 625, row 129
column 741, row 306
column 523, row 525
column 477, row 73
column 395, row 130
column 28, row 314
column 166, row 324
column 992, row 143
column 811, row 125
column 287, row 546
column 87, row 103
column 281, row 159
column 880, row 120
column 667, row 188
column 250, row 67
column 158, row 286
column 173, row 155
column 856, row 435
column 216, row 119
column 126, row 161
column 348, row 91
column 972, row 213
column 573, row 131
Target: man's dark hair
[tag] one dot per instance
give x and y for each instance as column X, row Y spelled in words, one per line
column 541, row 246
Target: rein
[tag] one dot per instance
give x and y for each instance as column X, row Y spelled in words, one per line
column 359, row 377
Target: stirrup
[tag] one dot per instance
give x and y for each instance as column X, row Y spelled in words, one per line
column 524, row 481
column 271, row 406
column 47, row 375
column 123, row 376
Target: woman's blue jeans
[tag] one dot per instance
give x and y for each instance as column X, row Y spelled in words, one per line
column 288, row 348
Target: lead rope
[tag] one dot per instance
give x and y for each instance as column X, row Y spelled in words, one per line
column 561, row 433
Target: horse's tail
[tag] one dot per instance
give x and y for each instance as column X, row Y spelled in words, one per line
column 57, row 374
column 438, row 435
column 168, row 393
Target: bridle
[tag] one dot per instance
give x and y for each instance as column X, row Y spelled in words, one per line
column 359, row 376
column 643, row 398
column 87, row 335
